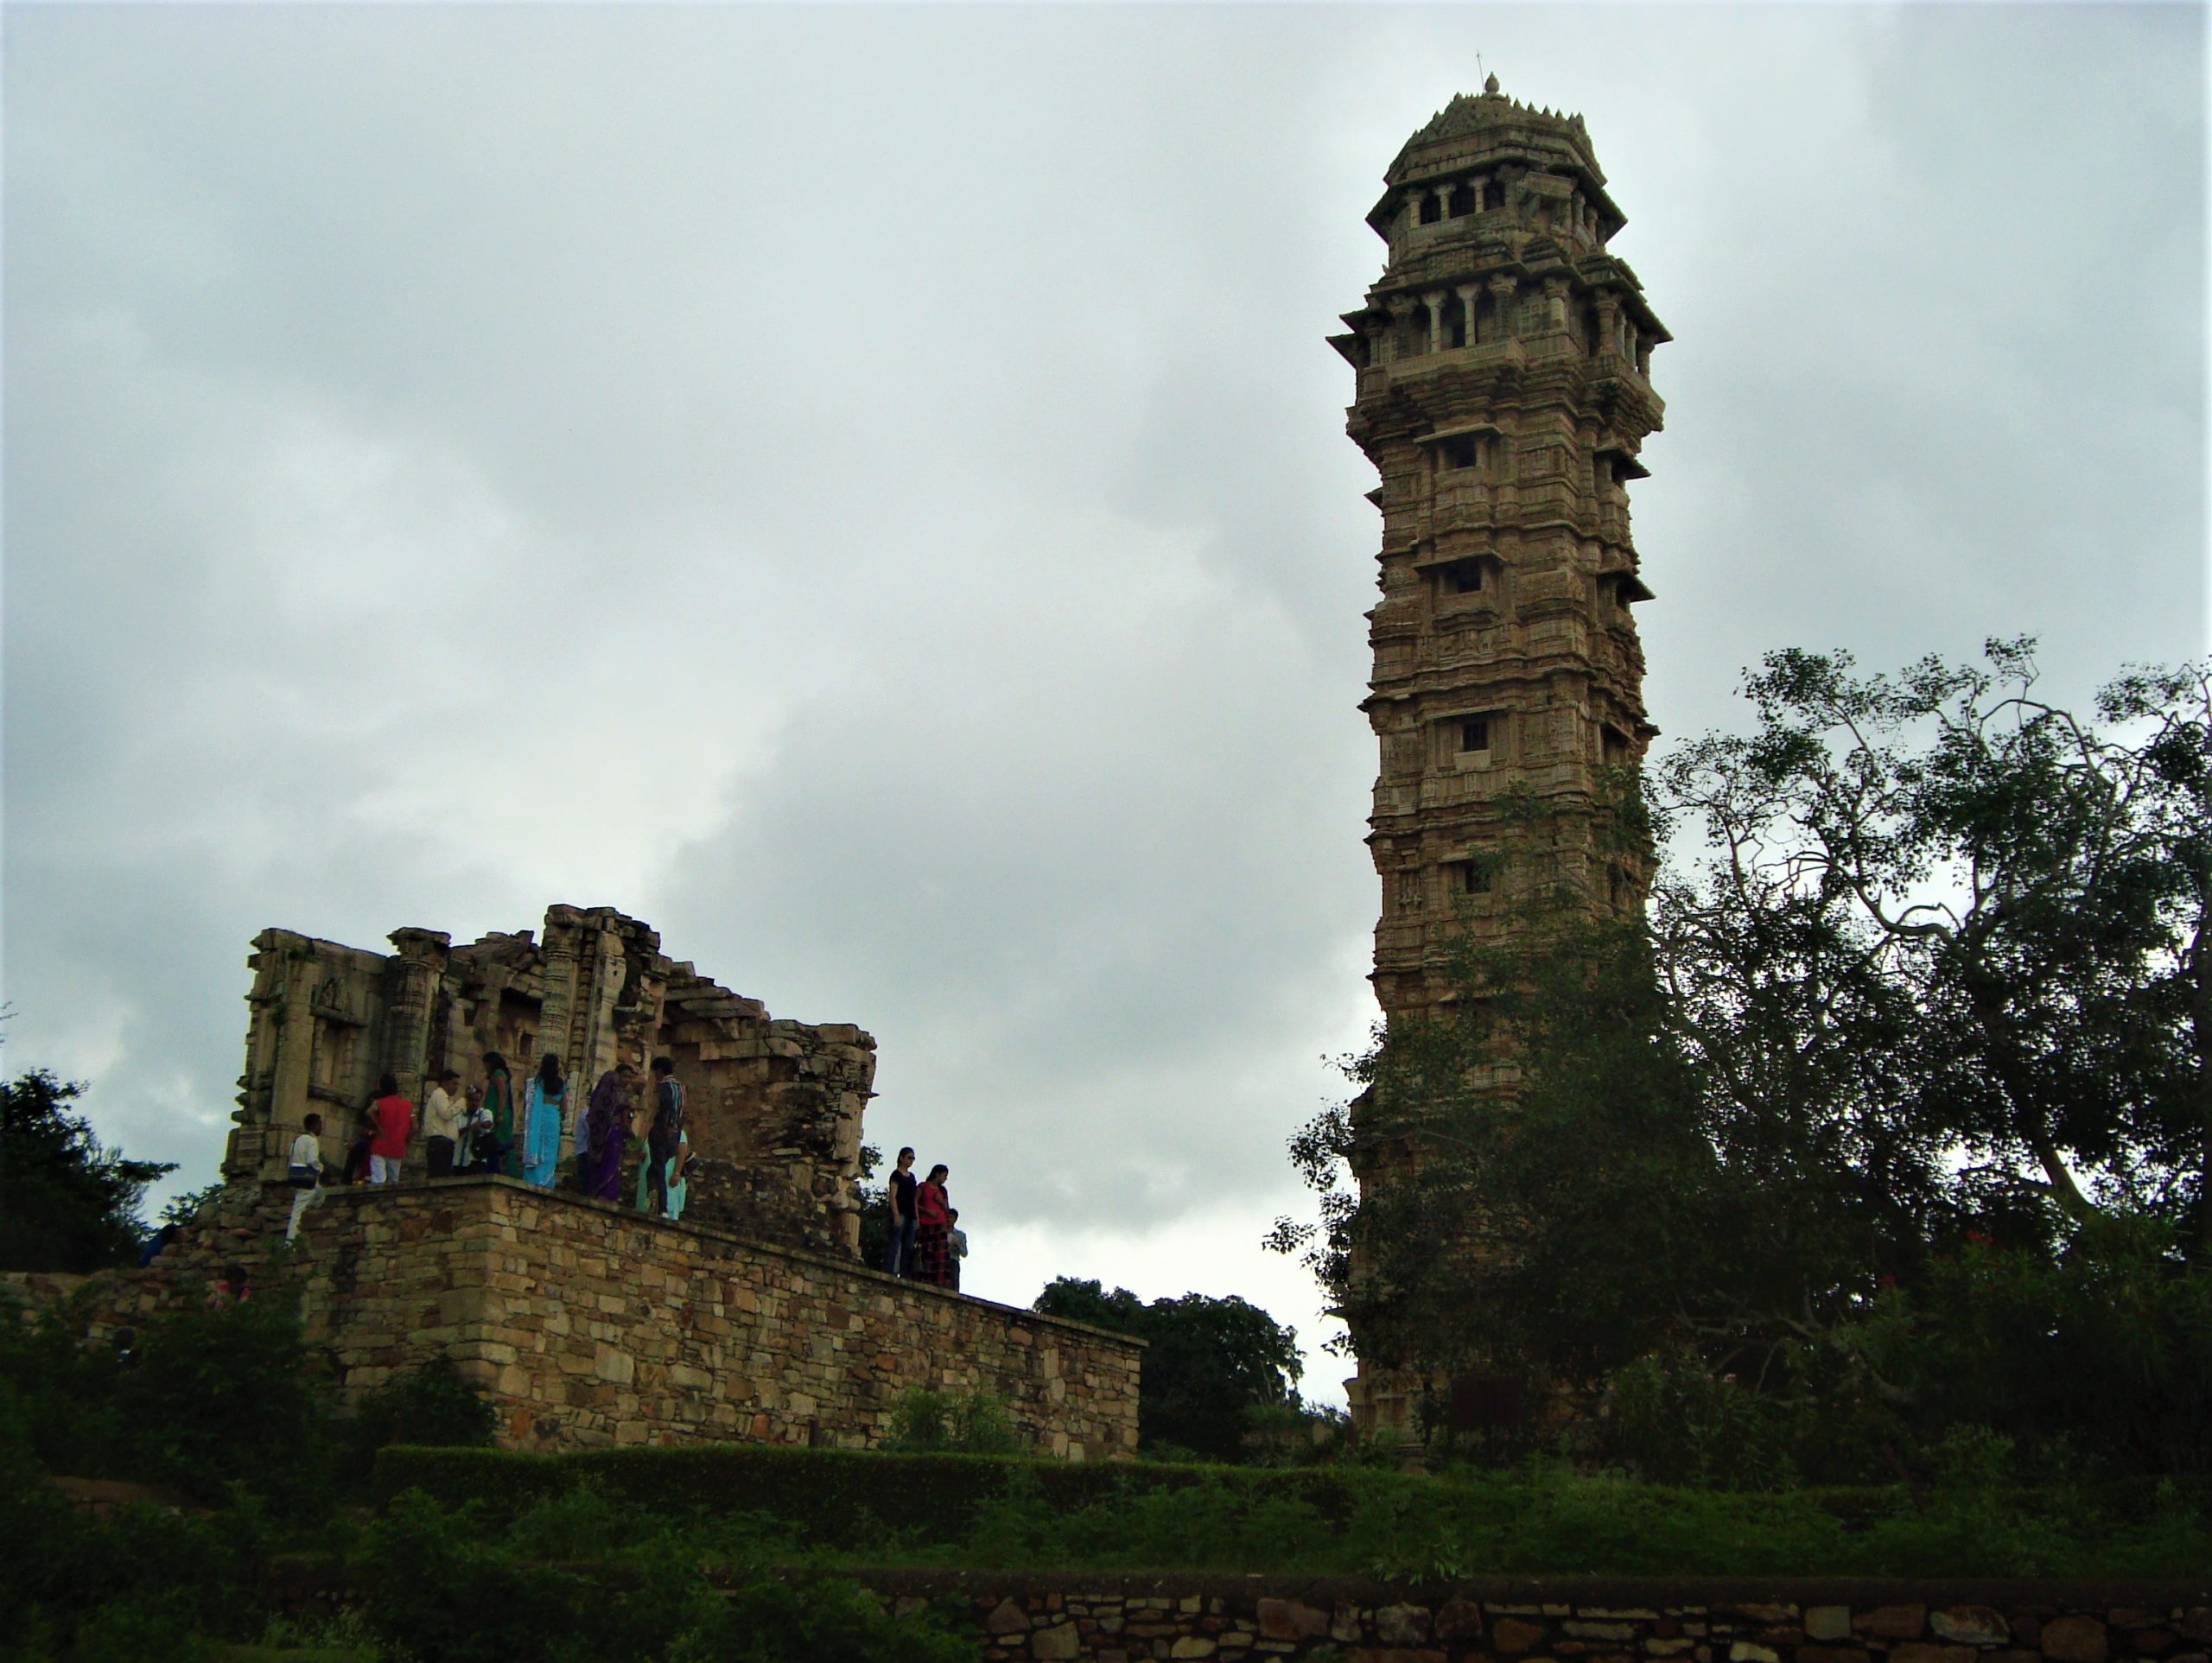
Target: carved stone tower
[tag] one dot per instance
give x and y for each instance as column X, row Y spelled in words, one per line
column 1502, row 360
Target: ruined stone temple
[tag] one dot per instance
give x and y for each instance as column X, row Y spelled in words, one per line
column 774, row 1108
column 589, row 1323
column 1502, row 362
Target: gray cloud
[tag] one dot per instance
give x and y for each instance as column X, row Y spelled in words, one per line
column 865, row 489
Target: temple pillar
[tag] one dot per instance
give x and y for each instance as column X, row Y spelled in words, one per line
column 416, row 970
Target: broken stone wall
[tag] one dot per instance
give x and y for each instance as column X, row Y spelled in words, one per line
column 774, row 1106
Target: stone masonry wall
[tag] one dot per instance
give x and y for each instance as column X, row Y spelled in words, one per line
column 591, row 1325
column 1121, row 1618
column 1107, row 1618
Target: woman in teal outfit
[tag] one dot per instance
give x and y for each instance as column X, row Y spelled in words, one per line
column 541, row 1133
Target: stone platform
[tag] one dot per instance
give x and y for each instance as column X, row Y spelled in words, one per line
column 590, row 1324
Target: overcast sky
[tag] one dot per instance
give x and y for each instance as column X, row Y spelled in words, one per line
column 866, row 491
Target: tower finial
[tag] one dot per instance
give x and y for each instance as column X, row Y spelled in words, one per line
column 1490, row 84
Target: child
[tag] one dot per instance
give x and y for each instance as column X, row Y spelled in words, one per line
column 958, row 1242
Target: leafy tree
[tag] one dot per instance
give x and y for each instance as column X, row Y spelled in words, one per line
column 67, row 1201
column 2011, row 903
column 1939, row 983
column 1208, row 1364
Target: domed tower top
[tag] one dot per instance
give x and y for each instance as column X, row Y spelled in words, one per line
column 1504, row 141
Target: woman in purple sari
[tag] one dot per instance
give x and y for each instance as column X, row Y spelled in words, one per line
column 607, row 1128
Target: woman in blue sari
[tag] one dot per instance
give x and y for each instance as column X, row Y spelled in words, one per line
column 541, row 1130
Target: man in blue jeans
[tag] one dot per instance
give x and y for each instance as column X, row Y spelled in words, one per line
column 898, row 1248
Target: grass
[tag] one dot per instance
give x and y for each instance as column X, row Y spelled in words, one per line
column 1017, row 1514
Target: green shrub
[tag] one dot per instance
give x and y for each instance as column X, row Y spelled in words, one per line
column 217, row 1397
column 923, row 1421
column 773, row 1619
column 143, row 1583
column 582, row 1577
column 984, row 1511
column 434, row 1407
column 833, row 1499
column 448, row 1589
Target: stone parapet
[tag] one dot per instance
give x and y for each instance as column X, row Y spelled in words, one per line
column 590, row 1325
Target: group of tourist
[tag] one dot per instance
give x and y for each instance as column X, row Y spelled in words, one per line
column 480, row 1129
column 925, row 1242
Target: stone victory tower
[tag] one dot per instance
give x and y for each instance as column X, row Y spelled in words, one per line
column 1502, row 362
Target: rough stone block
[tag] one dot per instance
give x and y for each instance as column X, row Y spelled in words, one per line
column 1062, row 1639
column 2075, row 1639
column 1892, row 1621
column 1401, row 1625
column 1283, row 1619
column 1459, row 1620
column 1970, row 1625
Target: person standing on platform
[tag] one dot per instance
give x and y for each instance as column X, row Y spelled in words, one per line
column 933, row 1230
column 499, row 1103
column 667, row 1131
column 899, row 1195
column 957, row 1240
column 445, row 1118
column 606, row 1131
column 543, row 1113
column 393, row 1116
column 304, row 1171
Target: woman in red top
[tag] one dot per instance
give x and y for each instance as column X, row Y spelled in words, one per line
column 933, row 1230
column 393, row 1117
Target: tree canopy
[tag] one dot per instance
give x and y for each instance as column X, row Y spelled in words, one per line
column 1926, row 1019
column 67, row 1202
column 1208, row 1364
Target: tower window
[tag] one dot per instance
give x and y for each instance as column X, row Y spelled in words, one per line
column 1493, row 196
column 1464, row 577
column 1614, row 745
column 1455, row 322
column 1462, row 199
column 1414, row 340
column 1431, row 208
column 1468, row 876
column 1473, row 742
column 1461, row 450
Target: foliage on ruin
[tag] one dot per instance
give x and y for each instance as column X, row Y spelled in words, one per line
column 1212, row 1365
column 68, row 1202
column 968, row 1423
column 1894, row 1114
column 203, row 1400
column 431, row 1406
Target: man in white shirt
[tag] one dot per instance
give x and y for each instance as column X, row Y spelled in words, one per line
column 444, row 1118
column 304, row 1171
